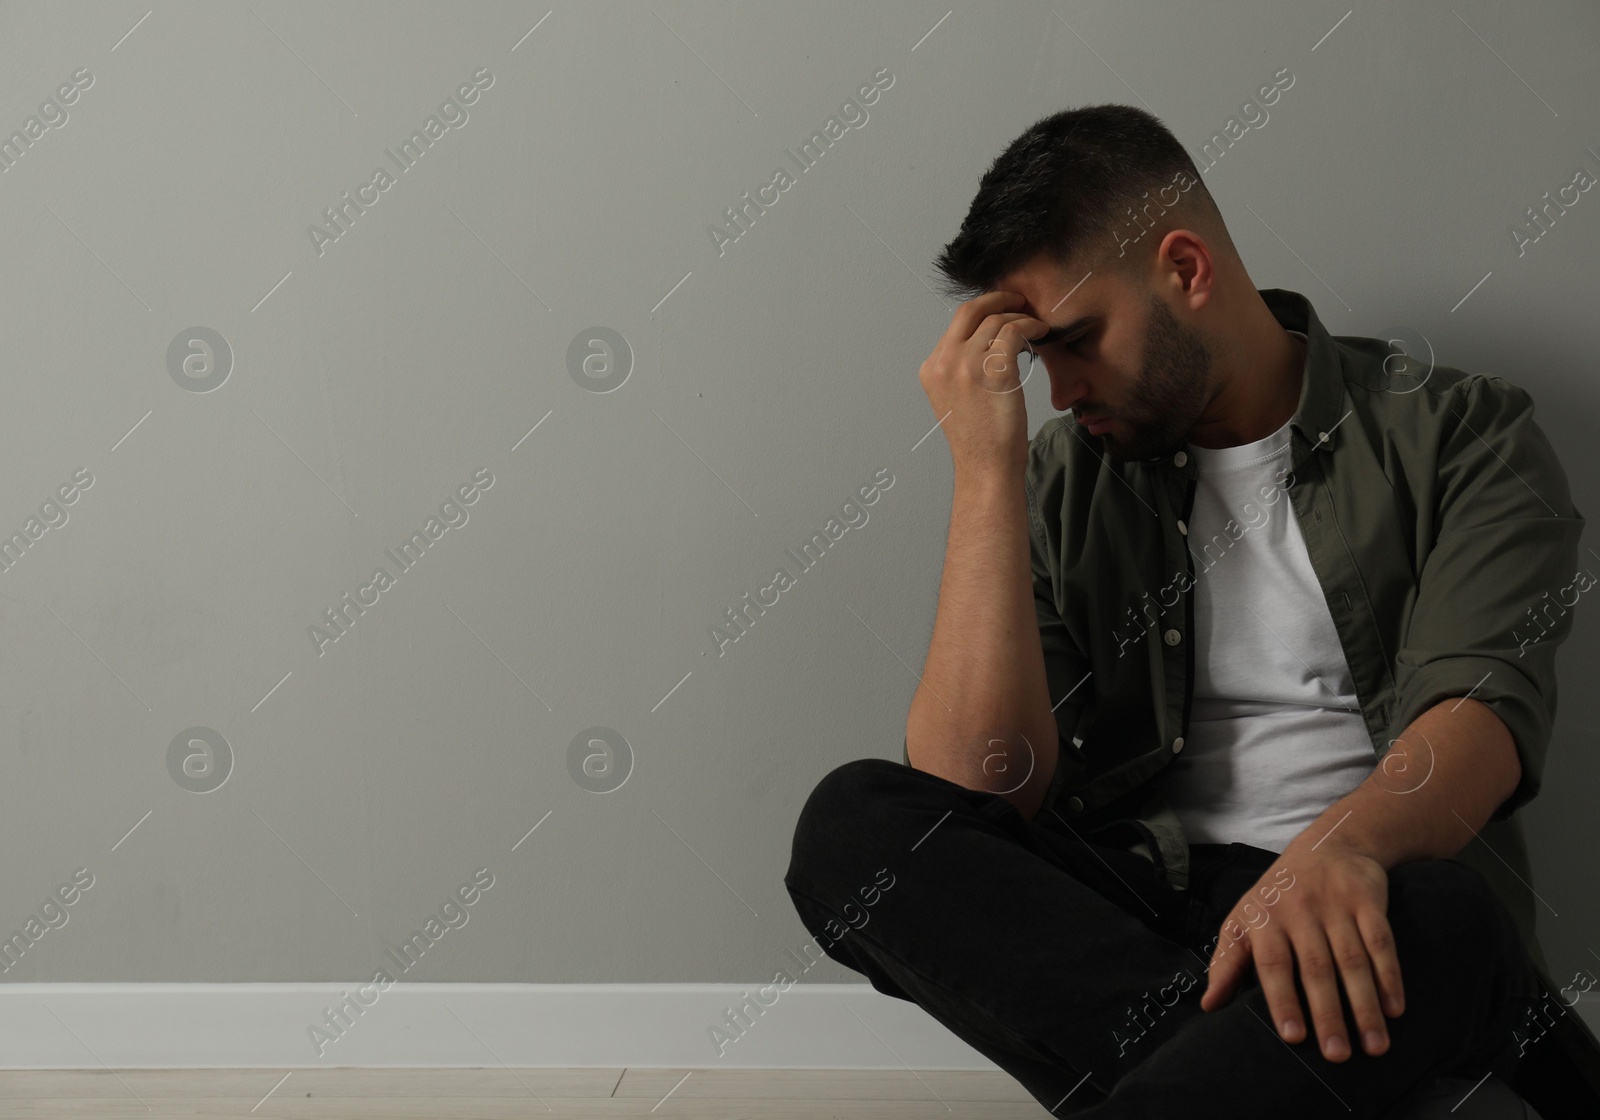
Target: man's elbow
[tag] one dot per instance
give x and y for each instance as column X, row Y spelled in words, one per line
column 1516, row 774
column 1504, row 756
column 1513, row 778
column 1510, row 758
column 1013, row 771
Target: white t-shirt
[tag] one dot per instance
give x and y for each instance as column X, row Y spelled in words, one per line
column 1276, row 733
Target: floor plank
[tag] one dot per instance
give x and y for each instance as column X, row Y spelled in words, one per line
column 836, row 1084
column 514, row 1094
column 501, row 1108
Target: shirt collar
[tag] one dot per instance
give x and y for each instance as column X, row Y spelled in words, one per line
column 1322, row 382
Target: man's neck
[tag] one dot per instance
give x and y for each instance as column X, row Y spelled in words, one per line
column 1259, row 391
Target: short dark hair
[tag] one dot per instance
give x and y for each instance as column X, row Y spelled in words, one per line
column 1072, row 186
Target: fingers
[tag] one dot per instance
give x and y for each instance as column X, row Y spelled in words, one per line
column 1275, row 962
column 964, row 323
column 1228, row 962
column 1012, row 329
column 990, row 353
column 1000, row 339
column 990, row 330
column 982, row 318
column 1323, row 959
column 1379, row 939
column 1319, row 978
column 1355, row 969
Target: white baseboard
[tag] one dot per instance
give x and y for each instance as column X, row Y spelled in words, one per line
column 246, row 1026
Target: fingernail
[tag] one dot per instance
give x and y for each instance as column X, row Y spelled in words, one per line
column 1374, row 1040
column 1335, row 1048
column 1288, row 1028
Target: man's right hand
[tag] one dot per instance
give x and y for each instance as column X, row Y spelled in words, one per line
column 972, row 376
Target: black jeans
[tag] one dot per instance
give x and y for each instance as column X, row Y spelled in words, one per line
column 1076, row 969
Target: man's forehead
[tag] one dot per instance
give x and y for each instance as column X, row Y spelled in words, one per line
column 1052, row 290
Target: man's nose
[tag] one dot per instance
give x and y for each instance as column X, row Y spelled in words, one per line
column 1065, row 390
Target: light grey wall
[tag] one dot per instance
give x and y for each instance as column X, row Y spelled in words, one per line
column 767, row 384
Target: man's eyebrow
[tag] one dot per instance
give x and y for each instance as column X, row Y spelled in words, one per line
column 1055, row 333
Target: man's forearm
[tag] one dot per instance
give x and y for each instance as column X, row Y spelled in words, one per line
column 1440, row 783
column 981, row 716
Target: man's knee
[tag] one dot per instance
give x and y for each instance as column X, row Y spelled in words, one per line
column 852, row 787
column 1459, row 945
column 1445, row 882
column 836, row 808
column 1445, row 911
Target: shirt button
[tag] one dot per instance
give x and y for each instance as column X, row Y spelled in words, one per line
column 1180, row 459
column 1182, row 528
column 1173, row 637
column 1075, row 804
column 1177, row 744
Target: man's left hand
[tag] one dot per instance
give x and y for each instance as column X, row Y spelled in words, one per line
column 1324, row 908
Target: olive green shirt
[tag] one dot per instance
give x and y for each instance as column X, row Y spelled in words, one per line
column 1438, row 521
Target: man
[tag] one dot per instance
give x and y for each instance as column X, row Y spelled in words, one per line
column 1235, row 682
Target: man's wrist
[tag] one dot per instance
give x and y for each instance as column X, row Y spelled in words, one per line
column 1346, row 828
column 1324, row 844
column 990, row 473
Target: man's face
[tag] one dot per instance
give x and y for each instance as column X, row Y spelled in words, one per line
column 1135, row 378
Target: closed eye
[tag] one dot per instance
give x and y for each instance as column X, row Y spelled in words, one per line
column 1072, row 336
column 1051, row 338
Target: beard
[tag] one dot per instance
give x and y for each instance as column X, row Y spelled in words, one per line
column 1170, row 393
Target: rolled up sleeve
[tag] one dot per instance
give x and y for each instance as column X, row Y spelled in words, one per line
column 1505, row 543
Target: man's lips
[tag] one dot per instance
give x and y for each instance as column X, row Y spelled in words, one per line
column 1095, row 422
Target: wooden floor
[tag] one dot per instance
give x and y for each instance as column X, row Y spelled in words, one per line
column 504, row 1094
